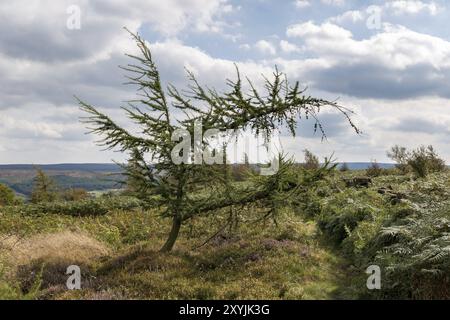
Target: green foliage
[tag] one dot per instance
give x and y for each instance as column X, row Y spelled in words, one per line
column 421, row 161
column 311, row 160
column 408, row 239
column 7, row 196
column 424, row 160
column 374, row 170
column 341, row 214
column 175, row 184
column 10, row 288
column 74, row 194
column 44, row 188
column 418, row 258
column 136, row 176
column 414, row 244
column 279, row 257
column 85, row 207
column 401, row 156
column 22, row 182
column 258, row 260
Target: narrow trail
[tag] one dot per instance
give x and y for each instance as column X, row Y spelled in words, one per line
column 343, row 278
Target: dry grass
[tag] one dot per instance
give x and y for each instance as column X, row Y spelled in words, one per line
column 257, row 261
column 61, row 246
column 39, row 263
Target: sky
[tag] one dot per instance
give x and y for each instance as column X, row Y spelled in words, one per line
column 388, row 61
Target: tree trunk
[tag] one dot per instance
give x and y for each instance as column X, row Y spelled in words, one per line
column 173, row 235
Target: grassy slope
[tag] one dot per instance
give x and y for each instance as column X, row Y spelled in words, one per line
column 251, row 262
column 118, row 252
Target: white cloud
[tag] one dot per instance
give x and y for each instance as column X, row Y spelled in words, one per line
column 265, row 47
column 389, row 9
column 170, row 16
column 396, row 47
column 311, row 31
column 40, row 31
column 41, row 60
column 334, row 2
column 173, row 57
column 43, row 64
column 348, row 16
column 412, row 7
column 302, row 3
column 288, row 47
column 245, row 46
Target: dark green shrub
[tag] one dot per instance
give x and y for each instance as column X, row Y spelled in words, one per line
column 421, row 161
column 44, row 188
column 88, row 207
column 400, row 155
column 374, row 170
column 417, row 260
column 74, row 194
column 7, row 196
column 424, row 160
column 338, row 224
column 311, row 160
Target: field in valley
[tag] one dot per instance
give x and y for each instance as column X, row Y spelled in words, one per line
column 91, row 177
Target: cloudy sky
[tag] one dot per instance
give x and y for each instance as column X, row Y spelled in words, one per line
column 387, row 60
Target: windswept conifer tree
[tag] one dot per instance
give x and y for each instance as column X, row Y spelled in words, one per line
column 184, row 190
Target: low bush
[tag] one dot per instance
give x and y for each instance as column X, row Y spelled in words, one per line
column 87, row 207
column 7, row 196
column 420, row 161
column 374, row 170
column 74, row 194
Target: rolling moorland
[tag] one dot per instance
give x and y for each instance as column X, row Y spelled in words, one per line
column 91, row 177
column 318, row 247
column 179, row 230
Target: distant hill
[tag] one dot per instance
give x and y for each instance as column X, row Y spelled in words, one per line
column 89, row 176
column 365, row 165
column 97, row 167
